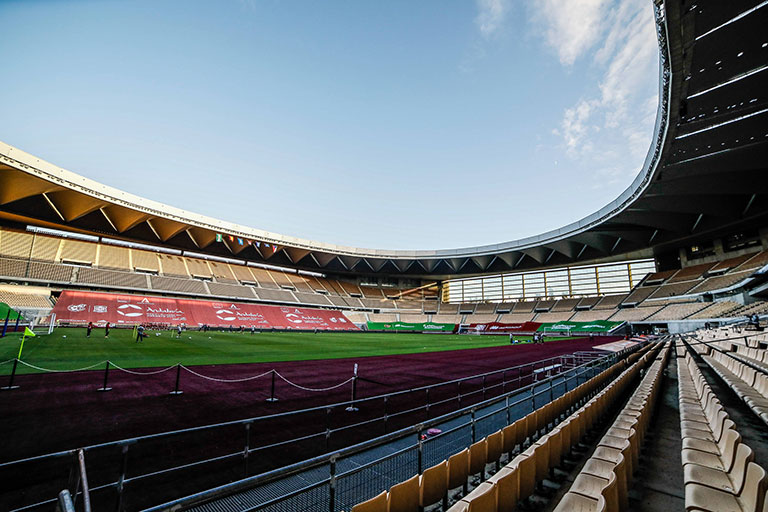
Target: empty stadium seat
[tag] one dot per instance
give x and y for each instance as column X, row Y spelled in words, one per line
column 376, row 504
column 433, row 484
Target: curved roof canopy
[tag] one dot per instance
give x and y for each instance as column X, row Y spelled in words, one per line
column 704, row 174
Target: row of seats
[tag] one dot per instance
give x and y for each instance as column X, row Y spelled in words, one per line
column 755, row 356
column 718, row 470
column 518, row 480
column 434, row 484
column 603, row 483
column 749, row 384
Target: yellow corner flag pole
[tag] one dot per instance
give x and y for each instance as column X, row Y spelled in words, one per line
column 27, row 332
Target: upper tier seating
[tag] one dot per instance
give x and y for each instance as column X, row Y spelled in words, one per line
column 77, row 251
column 173, row 265
column 516, row 318
column 611, row 301
column 677, row 311
column 691, row 273
column 633, row 314
column 554, row 316
column 112, row 278
column 111, row 257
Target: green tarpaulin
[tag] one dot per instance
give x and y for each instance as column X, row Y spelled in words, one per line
column 4, row 311
column 406, row 326
column 598, row 326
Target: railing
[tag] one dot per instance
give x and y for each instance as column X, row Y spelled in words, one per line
column 213, row 452
column 339, row 480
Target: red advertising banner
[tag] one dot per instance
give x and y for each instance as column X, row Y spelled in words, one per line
column 504, row 328
column 83, row 307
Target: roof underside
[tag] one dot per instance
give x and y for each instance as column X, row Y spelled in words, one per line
column 704, row 176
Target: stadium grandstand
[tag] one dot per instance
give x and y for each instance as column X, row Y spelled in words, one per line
column 648, row 391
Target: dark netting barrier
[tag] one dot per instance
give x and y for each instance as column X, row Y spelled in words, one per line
column 361, row 472
column 321, row 458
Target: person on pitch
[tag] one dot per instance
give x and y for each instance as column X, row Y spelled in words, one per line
column 106, row 330
column 88, row 330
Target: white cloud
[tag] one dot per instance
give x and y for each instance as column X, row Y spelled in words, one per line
column 490, row 16
column 573, row 127
column 570, row 27
column 610, row 130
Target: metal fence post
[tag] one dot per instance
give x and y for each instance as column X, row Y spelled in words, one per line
column 420, row 443
column 13, row 374
column 121, row 480
column 84, row 479
column 106, row 376
column 176, row 390
column 247, row 448
column 474, row 433
column 483, row 387
column 272, row 389
column 332, row 484
column 427, row 407
column 386, row 414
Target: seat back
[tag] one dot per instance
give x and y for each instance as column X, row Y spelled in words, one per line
column 458, row 469
column 433, row 484
column 555, row 447
column 610, row 493
column 526, row 468
column 727, row 445
column 482, row 498
column 495, row 446
column 738, row 472
column 754, row 488
column 541, row 454
column 507, row 483
column 478, row 456
column 404, row 497
column 509, row 436
column 375, row 504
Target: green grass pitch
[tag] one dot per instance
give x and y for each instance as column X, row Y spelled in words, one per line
column 68, row 348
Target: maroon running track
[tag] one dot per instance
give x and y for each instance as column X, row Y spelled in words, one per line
column 52, row 412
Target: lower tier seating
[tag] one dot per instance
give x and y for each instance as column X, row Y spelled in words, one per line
column 718, row 470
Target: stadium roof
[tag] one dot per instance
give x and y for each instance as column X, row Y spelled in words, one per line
column 703, row 176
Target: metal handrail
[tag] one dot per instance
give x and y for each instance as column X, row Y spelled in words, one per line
column 133, row 440
column 320, row 460
column 125, row 443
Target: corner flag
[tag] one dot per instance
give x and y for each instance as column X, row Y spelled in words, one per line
column 27, row 332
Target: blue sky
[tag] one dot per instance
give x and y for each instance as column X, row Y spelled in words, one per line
column 398, row 124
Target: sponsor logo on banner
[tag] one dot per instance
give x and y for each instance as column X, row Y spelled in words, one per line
column 144, row 301
column 99, row 309
column 76, row 308
column 225, row 314
column 294, row 318
column 129, row 310
column 333, row 319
